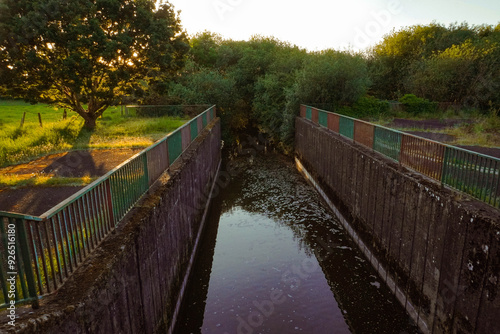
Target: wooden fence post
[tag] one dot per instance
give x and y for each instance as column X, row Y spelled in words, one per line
column 22, row 119
column 40, row 119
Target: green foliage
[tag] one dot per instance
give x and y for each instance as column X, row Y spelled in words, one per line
column 467, row 74
column 273, row 92
column 204, row 49
column 416, row 105
column 86, row 52
column 458, row 63
column 333, row 77
column 366, row 107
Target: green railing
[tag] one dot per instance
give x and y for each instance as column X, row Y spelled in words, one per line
column 40, row 253
column 473, row 173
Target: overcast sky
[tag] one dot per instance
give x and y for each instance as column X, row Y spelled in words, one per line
column 320, row 24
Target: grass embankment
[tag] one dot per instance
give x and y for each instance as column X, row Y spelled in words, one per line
column 22, row 144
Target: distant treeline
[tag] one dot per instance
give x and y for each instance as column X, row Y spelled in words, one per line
column 261, row 82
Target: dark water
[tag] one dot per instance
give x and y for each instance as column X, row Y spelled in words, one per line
column 274, row 260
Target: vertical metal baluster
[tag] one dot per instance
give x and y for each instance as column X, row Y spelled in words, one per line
column 84, row 224
column 76, row 228
column 32, row 238
column 487, row 187
column 88, row 219
column 58, row 254
column 51, row 259
column 496, row 200
column 471, row 176
column 27, row 261
column 121, row 193
column 484, row 176
column 95, row 214
column 42, row 254
column 102, row 210
column 3, row 253
column 65, row 250
column 70, row 240
column 108, row 202
column 135, row 180
column 463, row 170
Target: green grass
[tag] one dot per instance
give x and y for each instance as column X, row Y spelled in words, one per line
column 22, row 144
column 15, row 181
column 11, row 113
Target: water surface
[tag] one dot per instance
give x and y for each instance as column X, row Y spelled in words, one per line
column 275, row 260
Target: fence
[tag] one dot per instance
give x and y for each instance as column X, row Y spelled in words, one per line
column 37, row 254
column 165, row 110
column 470, row 172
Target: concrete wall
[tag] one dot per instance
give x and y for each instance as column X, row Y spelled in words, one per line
column 439, row 247
column 132, row 282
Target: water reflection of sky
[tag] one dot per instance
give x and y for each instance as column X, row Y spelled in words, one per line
column 278, row 262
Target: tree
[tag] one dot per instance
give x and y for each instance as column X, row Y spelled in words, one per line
column 392, row 60
column 204, row 48
column 466, row 74
column 83, row 52
column 332, row 77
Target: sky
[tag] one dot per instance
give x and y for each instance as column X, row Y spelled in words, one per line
column 321, row 24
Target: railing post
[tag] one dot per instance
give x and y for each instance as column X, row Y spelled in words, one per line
column 26, row 259
column 145, row 183
column 109, row 201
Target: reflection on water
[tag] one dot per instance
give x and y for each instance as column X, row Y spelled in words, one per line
column 274, row 260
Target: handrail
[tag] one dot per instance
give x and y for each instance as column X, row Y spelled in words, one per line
column 473, row 173
column 49, row 248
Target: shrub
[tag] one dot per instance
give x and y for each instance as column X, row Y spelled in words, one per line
column 370, row 106
column 416, row 105
column 365, row 107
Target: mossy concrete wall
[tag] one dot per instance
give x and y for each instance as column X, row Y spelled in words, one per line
column 437, row 249
column 132, row 282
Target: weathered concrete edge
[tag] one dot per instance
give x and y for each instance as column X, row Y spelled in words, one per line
column 401, row 296
column 193, row 254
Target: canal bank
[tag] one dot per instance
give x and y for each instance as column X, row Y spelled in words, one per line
column 274, row 260
column 438, row 249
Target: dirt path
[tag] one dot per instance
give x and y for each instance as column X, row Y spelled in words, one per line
column 37, row 200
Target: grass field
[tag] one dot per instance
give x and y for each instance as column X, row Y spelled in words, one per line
column 22, row 144
column 484, row 130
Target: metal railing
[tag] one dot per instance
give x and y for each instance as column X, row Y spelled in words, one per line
column 165, row 110
column 473, row 173
column 40, row 253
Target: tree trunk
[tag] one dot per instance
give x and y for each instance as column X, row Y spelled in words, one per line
column 90, row 122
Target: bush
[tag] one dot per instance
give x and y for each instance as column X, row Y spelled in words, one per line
column 370, row 106
column 416, row 105
column 366, row 106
